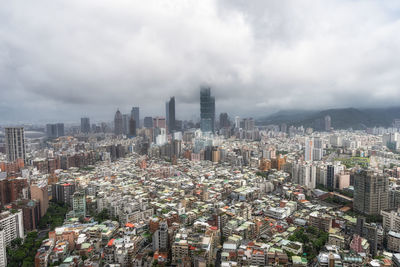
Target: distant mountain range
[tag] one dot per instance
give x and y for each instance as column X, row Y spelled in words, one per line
column 343, row 118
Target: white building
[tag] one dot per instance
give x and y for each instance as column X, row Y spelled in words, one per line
column 12, row 225
column 3, row 255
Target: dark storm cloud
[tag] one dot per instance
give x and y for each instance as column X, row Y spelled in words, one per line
column 60, row 60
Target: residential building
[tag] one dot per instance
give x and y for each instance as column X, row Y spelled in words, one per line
column 15, row 143
column 371, row 192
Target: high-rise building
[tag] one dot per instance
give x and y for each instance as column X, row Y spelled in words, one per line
column 160, row 237
column 159, row 122
column 237, row 122
column 136, row 117
column 327, row 123
column 3, row 254
column 132, row 127
column 309, row 149
column 148, row 122
column 40, row 193
column 15, row 143
column 125, row 123
column 55, row 130
column 371, row 192
column 318, row 149
column 79, row 204
column 12, row 225
column 224, row 120
column 170, row 114
column 118, row 130
column 85, row 125
column 207, row 110
column 63, row 192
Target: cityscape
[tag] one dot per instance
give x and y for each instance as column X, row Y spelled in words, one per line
column 188, row 134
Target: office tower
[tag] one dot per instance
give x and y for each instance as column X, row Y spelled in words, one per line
column 309, row 149
column 40, row 193
column 125, row 123
column 15, row 143
column 118, row 123
column 207, row 110
column 224, row 120
column 135, row 115
column 327, row 123
column 55, row 130
column 371, row 192
column 132, row 127
column 85, row 125
column 148, row 122
column 170, row 114
column 12, row 226
column 3, row 254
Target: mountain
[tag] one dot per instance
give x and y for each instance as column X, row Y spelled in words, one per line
column 343, row 118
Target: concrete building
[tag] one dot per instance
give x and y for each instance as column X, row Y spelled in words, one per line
column 40, row 193
column 160, row 238
column 15, row 143
column 371, row 192
column 55, row 130
column 3, row 254
column 12, row 225
column 391, row 220
column 393, row 241
column 79, row 204
column 309, row 149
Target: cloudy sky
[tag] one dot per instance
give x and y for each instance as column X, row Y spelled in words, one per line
column 63, row 59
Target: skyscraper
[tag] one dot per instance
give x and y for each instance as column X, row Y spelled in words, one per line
column 371, row 192
column 85, row 125
column 125, row 123
column 118, row 123
column 170, row 114
column 15, row 143
column 3, row 254
column 132, row 127
column 136, row 117
column 148, row 122
column 207, row 110
column 224, row 120
column 327, row 123
column 309, row 149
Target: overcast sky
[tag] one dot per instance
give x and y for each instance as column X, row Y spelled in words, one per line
column 60, row 60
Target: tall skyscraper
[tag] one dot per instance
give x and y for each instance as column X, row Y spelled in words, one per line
column 327, row 123
column 371, row 192
column 136, row 117
column 118, row 123
column 309, row 149
column 148, row 122
column 132, row 127
column 125, row 123
column 170, row 114
column 15, row 143
column 85, row 125
column 207, row 110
